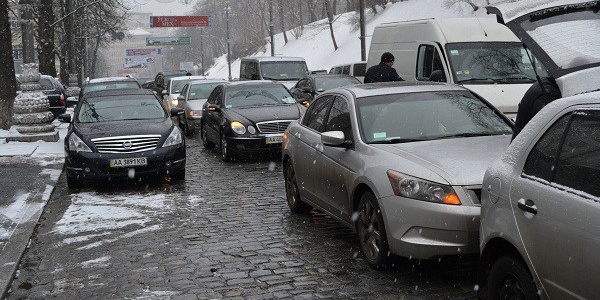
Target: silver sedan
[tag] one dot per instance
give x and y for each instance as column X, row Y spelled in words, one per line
column 401, row 163
column 193, row 96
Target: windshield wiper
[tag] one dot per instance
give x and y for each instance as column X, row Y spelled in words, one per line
column 477, row 79
column 396, row 141
column 519, row 78
column 467, row 134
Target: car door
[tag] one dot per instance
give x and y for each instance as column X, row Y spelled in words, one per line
column 212, row 109
column 337, row 164
column 309, row 140
column 556, row 206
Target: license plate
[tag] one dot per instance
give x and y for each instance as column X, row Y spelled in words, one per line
column 128, row 162
column 274, row 139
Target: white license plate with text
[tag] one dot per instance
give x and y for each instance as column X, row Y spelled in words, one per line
column 128, row 162
column 274, row 139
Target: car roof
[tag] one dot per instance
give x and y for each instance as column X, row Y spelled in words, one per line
column 252, row 83
column 398, row 87
column 327, row 75
column 118, row 92
column 349, row 64
column 110, row 79
column 274, row 58
column 187, row 77
column 212, row 80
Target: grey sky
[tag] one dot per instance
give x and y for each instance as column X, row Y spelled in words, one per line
column 161, row 7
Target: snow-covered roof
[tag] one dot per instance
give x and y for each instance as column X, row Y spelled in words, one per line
column 512, row 9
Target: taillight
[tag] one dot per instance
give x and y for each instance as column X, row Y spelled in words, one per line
column 62, row 99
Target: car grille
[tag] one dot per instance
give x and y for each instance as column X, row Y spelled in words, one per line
column 273, row 126
column 126, row 144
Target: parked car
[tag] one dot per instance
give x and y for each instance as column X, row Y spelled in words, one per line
column 356, row 69
column 192, row 98
column 173, row 88
column 119, row 134
column 248, row 117
column 400, row 162
column 540, row 211
column 108, row 83
column 307, row 88
column 56, row 93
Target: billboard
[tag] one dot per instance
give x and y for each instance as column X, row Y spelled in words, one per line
column 179, row 21
column 145, row 52
column 154, row 41
column 137, row 62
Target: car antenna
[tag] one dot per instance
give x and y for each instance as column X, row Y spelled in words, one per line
column 537, row 76
column 481, row 25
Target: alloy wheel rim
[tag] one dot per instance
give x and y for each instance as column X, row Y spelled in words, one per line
column 223, row 146
column 370, row 234
column 511, row 289
column 290, row 186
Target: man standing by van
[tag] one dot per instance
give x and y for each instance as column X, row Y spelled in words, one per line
column 383, row 71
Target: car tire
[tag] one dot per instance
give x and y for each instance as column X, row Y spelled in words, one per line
column 371, row 232
column 509, row 279
column 226, row 152
column 73, row 183
column 178, row 175
column 188, row 131
column 292, row 192
column 205, row 142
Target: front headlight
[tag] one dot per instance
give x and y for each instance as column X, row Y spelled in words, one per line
column 174, row 101
column 195, row 113
column 419, row 189
column 77, row 145
column 174, row 138
column 238, row 127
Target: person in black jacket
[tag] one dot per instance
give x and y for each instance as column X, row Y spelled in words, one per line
column 536, row 97
column 383, row 71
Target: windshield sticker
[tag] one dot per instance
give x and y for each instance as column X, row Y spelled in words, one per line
column 453, row 52
column 379, row 135
column 289, row 100
column 228, row 106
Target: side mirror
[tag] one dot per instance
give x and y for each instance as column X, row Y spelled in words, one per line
column 72, row 100
column 176, row 111
column 333, row 138
column 213, row 108
column 65, row 118
column 164, row 92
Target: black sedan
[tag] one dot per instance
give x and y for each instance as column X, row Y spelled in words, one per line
column 120, row 135
column 248, row 118
column 307, row 88
column 56, row 93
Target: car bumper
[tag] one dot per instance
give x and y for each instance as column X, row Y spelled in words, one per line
column 194, row 122
column 253, row 145
column 425, row 230
column 96, row 166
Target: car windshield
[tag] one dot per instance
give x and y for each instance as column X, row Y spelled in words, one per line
column 177, row 85
column 201, row 90
column 326, row 83
column 100, row 86
column 288, row 70
column 486, row 63
column 426, row 116
column 118, row 108
column 258, row 96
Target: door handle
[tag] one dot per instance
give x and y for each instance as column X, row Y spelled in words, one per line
column 527, row 205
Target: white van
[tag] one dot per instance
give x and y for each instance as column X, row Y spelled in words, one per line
column 356, row 69
column 477, row 53
column 285, row 69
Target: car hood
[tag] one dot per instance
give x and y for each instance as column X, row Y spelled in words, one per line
column 196, row 104
column 460, row 161
column 120, row 128
column 563, row 34
column 256, row 114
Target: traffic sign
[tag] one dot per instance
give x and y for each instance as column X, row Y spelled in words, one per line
column 156, row 41
column 179, row 21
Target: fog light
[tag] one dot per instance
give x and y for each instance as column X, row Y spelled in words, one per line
column 168, row 164
column 87, row 170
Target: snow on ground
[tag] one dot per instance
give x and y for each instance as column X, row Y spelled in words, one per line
column 315, row 44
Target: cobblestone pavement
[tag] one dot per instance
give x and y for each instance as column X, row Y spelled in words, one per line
column 224, row 233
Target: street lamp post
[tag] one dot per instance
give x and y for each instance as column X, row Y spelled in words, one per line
column 271, row 27
column 228, row 42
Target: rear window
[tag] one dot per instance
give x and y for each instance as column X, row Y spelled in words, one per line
column 110, row 86
column 359, row 69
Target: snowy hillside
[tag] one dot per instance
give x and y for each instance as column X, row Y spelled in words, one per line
column 315, row 44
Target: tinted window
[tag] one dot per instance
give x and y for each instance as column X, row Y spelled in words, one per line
column 346, row 70
column 428, row 60
column 339, row 118
column 215, row 96
column 396, row 118
column 243, row 96
column 127, row 107
column 284, row 70
column 46, row 84
column 326, row 83
column 579, row 160
column 540, row 161
column 110, row 85
column 316, row 114
column 359, row 69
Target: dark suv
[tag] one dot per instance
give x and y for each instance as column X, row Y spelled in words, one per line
column 57, row 95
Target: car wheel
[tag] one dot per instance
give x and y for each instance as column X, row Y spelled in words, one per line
column 73, row 183
column 178, row 175
column 509, row 279
column 292, row 192
column 205, row 142
column 226, row 152
column 188, row 131
column 371, row 232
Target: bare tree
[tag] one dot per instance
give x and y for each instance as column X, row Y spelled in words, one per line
column 330, row 21
column 7, row 76
column 282, row 21
column 45, row 38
